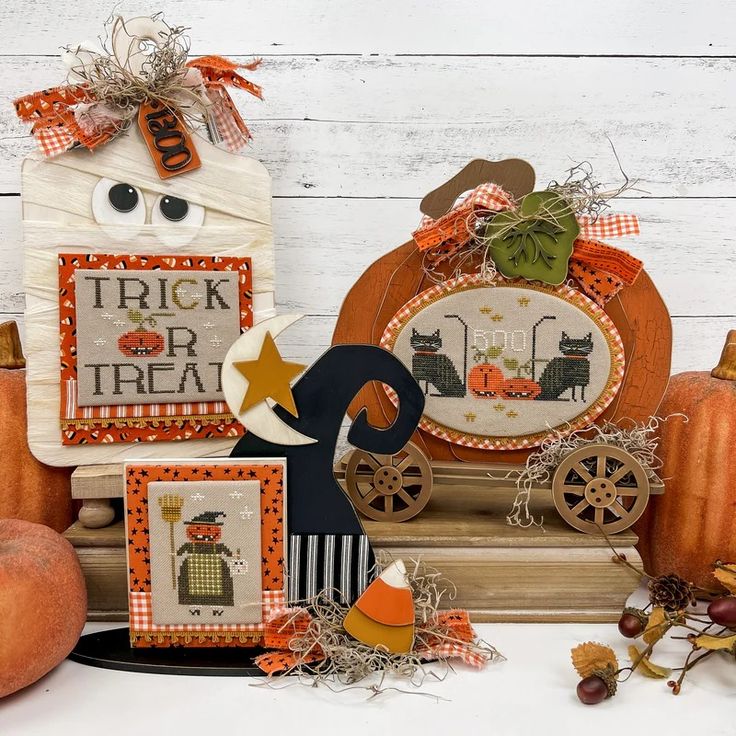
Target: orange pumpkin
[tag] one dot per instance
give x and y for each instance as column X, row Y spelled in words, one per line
column 521, row 388
column 141, row 343
column 31, row 490
column 694, row 522
column 486, row 381
column 43, row 602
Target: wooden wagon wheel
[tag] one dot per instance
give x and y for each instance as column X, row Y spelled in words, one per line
column 600, row 486
column 389, row 487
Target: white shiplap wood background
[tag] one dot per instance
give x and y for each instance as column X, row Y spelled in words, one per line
column 369, row 105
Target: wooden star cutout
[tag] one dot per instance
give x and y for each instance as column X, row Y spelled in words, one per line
column 269, row 377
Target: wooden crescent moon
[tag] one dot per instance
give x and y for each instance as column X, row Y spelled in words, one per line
column 260, row 419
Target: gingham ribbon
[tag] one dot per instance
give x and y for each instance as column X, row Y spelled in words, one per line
column 286, row 626
column 55, row 127
column 458, row 641
column 600, row 270
column 446, row 235
column 53, row 112
column 608, row 226
column 225, row 124
column 141, row 616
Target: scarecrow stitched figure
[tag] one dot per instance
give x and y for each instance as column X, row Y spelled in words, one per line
column 204, row 576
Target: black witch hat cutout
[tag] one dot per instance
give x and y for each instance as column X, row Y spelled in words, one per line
column 328, row 547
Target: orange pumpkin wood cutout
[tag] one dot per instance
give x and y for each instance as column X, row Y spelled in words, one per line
column 384, row 615
column 637, row 311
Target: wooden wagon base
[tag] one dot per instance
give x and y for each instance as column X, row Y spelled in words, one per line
column 595, row 487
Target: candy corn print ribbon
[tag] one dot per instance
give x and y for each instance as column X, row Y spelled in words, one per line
column 85, row 112
column 600, row 270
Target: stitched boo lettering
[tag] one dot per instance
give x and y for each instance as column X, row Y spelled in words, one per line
column 153, row 336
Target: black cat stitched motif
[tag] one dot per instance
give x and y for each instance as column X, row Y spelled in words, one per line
column 433, row 367
column 569, row 371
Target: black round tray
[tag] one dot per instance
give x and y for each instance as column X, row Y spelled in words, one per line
column 111, row 650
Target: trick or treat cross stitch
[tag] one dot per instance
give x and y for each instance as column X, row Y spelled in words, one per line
column 143, row 338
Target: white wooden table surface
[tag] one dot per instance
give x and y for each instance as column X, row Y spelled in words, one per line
column 533, row 692
column 368, row 106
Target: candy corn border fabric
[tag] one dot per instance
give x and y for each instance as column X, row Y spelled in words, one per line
column 570, row 295
column 271, row 473
column 140, row 422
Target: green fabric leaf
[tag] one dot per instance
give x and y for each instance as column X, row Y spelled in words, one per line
column 534, row 242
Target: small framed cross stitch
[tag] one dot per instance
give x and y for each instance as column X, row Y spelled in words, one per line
column 142, row 343
column 206, row 550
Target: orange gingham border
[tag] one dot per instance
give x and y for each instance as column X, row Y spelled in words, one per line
column 139, row 601
column 475, row 281
column 141, row 615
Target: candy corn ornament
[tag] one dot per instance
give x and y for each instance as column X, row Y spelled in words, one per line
column 384, row 615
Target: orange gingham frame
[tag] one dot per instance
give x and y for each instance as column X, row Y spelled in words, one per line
column 137, row 475
column 571, row 296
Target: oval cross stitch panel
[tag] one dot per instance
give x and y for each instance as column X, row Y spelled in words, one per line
column 503, row 365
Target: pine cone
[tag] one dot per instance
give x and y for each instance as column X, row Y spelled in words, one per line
column 671, row 592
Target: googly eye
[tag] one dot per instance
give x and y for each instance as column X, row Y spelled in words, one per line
column 169, row 209
column 117, row 203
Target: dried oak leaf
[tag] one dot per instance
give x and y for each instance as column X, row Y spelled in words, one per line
column 726, row 576
column 705, row 641
column 645, row 666
column 656, row 626
column 590, row 658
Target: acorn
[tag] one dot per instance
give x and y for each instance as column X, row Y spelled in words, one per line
column 632, row 622
column 592, row 690
column 722, row 611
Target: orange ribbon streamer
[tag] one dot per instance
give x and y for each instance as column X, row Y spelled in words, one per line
column 600, row 270
column 446, row 235
column 51, row 111
column 56, row 130
column 287, row 626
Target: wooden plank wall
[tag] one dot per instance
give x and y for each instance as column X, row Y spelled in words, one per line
column 370, row 105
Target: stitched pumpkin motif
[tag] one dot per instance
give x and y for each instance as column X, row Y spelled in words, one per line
column 141, row 343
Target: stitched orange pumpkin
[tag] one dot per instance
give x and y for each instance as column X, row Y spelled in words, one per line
column 486, row 381
column 694, row 522
column 521, row 388
column 141, row 343
column 30, row 490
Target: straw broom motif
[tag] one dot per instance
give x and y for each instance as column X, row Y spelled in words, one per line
column 171, row 505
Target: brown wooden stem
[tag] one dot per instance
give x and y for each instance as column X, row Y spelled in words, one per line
column 726, row 368
column 11, row 352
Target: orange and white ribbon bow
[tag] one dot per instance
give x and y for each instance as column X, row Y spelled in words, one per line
column 451, row 232
column 600, row 270
column 70, row 115
column 452, row 637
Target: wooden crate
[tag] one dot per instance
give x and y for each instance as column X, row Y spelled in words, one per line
column 506, row 573
column 502, row 573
